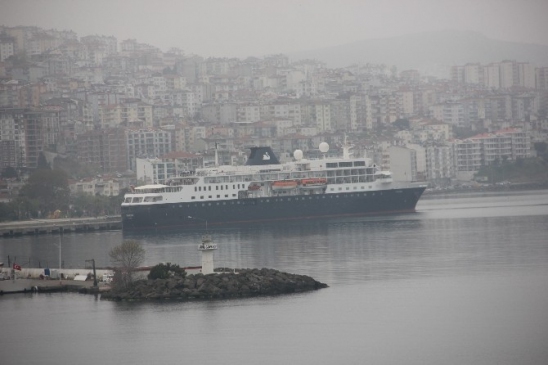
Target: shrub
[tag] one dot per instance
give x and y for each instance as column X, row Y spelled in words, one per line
column 166, row 271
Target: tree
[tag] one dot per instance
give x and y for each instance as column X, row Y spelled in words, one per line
column 9, row 173
column 42, row 162
column 165, row 271
column 48, row 189
column 128, row 256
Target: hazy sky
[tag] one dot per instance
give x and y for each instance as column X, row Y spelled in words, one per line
column 241, row 28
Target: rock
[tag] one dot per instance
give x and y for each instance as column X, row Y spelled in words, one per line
column 223, row 284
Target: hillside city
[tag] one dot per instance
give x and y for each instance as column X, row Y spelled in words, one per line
column 117, row 113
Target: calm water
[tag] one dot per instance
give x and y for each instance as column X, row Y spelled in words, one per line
column 463, row 281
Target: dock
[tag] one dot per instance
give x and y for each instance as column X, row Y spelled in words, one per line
column 59, row 225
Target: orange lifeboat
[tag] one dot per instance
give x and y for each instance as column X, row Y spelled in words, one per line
column 316, row 182
column 284, row 185
column 253, row 187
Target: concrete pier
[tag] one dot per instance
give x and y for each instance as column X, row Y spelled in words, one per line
column 28, row 280
column 60, row 225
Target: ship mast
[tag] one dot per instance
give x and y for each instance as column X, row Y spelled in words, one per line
column 346, row 149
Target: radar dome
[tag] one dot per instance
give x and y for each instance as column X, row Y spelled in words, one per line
column 324, row 147
column 298, row 154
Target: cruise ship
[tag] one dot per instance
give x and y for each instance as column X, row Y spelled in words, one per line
column 265, row 190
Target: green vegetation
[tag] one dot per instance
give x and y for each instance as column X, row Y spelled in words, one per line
column 46, row 191
column 519, row 171
column 166, row 271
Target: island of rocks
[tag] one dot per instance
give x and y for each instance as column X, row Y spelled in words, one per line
column 238, row 283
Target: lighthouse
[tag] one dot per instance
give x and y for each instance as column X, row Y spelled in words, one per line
column 207, row 248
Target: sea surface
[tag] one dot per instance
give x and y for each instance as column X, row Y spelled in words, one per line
column 462, row 281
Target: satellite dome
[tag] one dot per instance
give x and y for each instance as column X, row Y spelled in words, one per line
column 324, row 147
column 298, row 154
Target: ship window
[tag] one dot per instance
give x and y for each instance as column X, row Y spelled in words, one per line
column 209, row 188
column 226, row 195
column 209, row 196
column 234, row 195
column 195, row 188
column 345, row 164
column 359, row 163
column 218, row 196
column 201, row 197
column 233, row 186
column 217, row 188
column 127, row 200
column 331, row 165
column 347, row 188
column 193, row 198
column 226, row 187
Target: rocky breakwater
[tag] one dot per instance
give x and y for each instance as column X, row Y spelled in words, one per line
column 239, row 284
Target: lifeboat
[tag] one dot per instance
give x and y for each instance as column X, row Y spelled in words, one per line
column 316, row 182
column 253, row 187
column 284, row 185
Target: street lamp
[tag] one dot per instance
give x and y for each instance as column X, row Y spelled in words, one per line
column 205, row 220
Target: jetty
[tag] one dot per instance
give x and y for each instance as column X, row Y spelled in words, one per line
column 60, row 225
column 38, row 280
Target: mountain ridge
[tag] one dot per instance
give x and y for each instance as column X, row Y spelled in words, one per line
column 428, row 51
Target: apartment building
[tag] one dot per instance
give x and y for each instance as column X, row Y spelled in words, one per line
column 105, row 149
column 154, row 170
column 488, row 148
column 439, row 163
column 146, row 143
column 7, row 47
column 96, row 186
column 403, row 163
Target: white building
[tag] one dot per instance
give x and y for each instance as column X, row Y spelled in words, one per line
column 147, row 143
column 154, row 170
column 403, row 163
column 439, row 163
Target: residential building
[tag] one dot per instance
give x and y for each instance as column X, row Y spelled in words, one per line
column 146, row 143
column 403, row 163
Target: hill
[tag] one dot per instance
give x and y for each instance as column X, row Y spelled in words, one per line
column 429, row 52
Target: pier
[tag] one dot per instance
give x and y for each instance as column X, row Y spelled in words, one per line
column 59, row 225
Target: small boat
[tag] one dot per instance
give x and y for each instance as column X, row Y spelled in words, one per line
column 317, row 182
column 253, row 187
column 284, row 184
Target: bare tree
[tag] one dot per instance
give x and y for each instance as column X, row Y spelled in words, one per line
column 128, row 256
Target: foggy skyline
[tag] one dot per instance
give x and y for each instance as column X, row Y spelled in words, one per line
column 256, row 28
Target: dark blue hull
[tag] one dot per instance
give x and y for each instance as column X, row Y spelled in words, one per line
column 272, row 209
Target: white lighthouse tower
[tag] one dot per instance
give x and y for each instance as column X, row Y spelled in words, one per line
column 207, row 248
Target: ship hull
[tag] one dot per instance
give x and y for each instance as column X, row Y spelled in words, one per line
column 268, row 209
